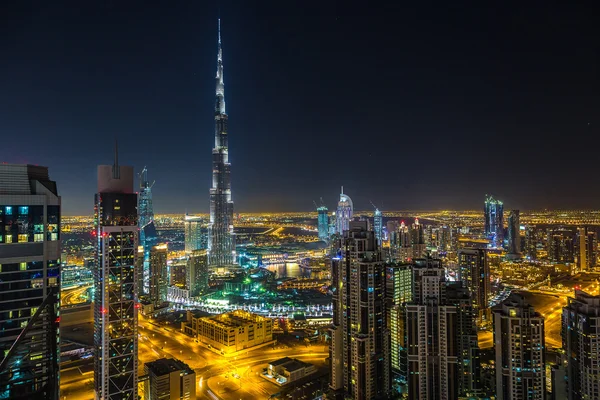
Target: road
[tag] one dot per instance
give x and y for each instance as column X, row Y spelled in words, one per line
column 72, row 296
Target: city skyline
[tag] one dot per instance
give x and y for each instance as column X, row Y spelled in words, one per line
column 148, row 83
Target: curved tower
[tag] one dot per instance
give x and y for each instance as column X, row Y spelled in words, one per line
column 343, row 214
column 221, row 242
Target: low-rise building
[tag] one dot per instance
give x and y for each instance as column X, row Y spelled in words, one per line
column 169, row 379
column 230, row 332
column 286, row 370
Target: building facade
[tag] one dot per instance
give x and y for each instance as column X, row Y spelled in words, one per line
column 520, row 351
column 30, row 248
column 169, row 379
column 581, row 343
column 159, row 277
column 343, row 214
column 115, row 284
column 494, row 221
column 147, row 235
column 514, row 235
column 399, row 292
column 474, row 273
column 197, row 273
column 221, row 240
column 360, row 336
column 378, row 225
column 323, row 223
column 196, row 233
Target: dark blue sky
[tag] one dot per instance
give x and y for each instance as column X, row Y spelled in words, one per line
column 408, row 106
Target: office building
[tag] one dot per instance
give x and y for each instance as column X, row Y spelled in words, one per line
column 494, row 221
column 115, row 284
column 520, row 350
column 399, row 292
column 30, row 248
column 287, row 370
column 441, row 337
column 169, row 379
column 514, row 236
column 159, row 277
column 581, row 343
column 196, row 233
column 197, row 273
column 531, row 242
column 561, row 248
column 230, row 332
column 147, row 229
column 361, row 355
column 378, row 225
column 587, row 241
column 323, row 223
column 178, row 274
column 474, row 273
column 343, row 214
column 221, row 240
column 417, row 241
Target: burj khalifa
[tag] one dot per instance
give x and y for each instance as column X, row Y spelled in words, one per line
column 221, row 240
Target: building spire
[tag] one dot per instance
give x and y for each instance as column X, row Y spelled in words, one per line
column 116, row 169
column 220, row 85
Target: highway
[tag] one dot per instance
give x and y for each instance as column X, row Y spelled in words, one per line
column 72, row 296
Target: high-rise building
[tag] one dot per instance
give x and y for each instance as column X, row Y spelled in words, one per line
column 474, row 273
column 343, row 214
column 592, row 249
column 221, row 240
column 197, row 273
column 360, row 357
column 378, row 225
column 196, row 233
column 520, row 350
column 399, row 291
column 115, row 284
column 587, row 241
column 159, row 277
column 582, row 259
column 494, row 221
column 561, row 247
column 169, row 379
column 531, row 243
column 30, row 250
column 177, row 274
column 323, row 223
column 417, row 240
column 514, row 235
column 581, row 343
column 147, row 229
column 443, row 359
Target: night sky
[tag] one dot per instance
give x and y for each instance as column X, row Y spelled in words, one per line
column 411, row 107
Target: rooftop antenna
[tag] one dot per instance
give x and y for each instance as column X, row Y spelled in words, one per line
column 116, row 169
column 342, row 190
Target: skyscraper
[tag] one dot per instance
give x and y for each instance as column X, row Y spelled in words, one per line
column 474, row 273
column 323, row 223
column 360, row 338
column 147, row 228
column 159, row 277
column 514, row 235
column 520, row 350
column 343, row 214
column 441, row 337
column 494, row 221
column 582, row 259
column 417, row 240
column 29, row 283
column 196, row 233
column 581, row 343
column 221, row 240
column 115, row 284
column 197, row 273
column 378, row 225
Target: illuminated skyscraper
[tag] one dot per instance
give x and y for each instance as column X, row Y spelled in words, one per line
column 378, row 225
column 159, row 278
column 323, row 223
column 221, row 240
column 399, row 291
column 196, row 233
column 581, row 343
column 115, row 284
column 417, row 240
column 30, row 249
column 514, row 235
column 520, row 350
column 474, row 273
column 147, row 227
column 494, row 221
column 360, row 338
column 343, row 215
column 197, row 273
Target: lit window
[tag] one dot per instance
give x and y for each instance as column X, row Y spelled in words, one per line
column 8, row 210
column 8, row 239
column 54, row 236
column 38, row 237
column 24, row 210
column 23, row 266
column 37, row 283
column 23, row 238
column 52, row 281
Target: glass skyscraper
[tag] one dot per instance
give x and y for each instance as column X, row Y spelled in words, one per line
column 323, row 223
column 221, row 241
column 494, row 221
column 344, row 212
column 29, row 283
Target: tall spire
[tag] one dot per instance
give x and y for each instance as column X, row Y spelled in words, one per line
column 220, row 89
column 116, row 169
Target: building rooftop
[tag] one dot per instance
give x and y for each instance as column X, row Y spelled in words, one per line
column 165, row 366
column 290, row 364
column 235, row 319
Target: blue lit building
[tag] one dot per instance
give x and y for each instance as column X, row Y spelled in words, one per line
column 323, row 223
column 378, row 225
column 146, row 226
column 494, row 221
column 344, row 213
